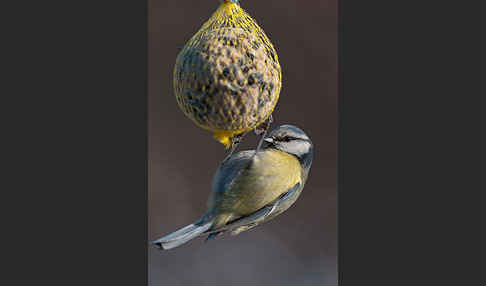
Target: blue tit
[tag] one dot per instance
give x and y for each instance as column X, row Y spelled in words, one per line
column 252, row 187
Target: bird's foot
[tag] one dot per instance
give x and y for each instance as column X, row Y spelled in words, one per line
column 235, row 141
column 213, row 235
column 262, row 130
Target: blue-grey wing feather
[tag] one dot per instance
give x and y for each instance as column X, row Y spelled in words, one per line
column 227, row 173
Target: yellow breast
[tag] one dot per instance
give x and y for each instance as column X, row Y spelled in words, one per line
column 271, row 174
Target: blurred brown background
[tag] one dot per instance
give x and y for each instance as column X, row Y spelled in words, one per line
column 300, row 246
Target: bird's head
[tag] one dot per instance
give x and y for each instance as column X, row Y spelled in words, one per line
column 292, row 140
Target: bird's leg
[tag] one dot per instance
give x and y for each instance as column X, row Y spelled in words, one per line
column 262, row 130
column 235, row 141
column 213, row 235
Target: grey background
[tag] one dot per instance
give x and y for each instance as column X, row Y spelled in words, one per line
column 300, row 246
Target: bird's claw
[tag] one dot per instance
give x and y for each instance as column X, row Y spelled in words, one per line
column 213, row 235
column 262, row 131
column 235, row 141
column 262, row 128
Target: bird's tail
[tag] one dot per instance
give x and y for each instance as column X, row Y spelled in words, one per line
column 183, row 235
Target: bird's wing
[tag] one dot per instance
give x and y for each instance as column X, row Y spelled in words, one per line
column 267, row 212
column 227, row 173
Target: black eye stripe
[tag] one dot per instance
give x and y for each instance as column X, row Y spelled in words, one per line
column 287, row 138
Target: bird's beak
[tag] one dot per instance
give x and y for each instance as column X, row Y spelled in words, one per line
column 268, row 139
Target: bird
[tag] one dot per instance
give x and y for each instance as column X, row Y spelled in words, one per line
column 227, row 78
column 252, row 187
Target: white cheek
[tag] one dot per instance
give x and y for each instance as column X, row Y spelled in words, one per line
column 297, row 148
